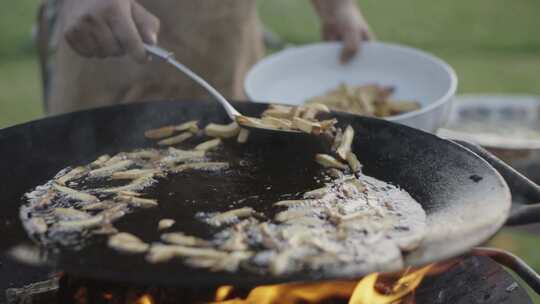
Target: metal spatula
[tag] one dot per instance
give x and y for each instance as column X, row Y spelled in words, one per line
column 231, row 111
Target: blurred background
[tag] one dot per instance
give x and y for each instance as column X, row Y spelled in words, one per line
column 493, row 45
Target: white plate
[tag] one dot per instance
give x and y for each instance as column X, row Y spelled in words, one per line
column 496, row 121
column 296, row 74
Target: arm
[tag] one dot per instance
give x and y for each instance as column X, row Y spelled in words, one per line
column 341, row 20
column 107, row 28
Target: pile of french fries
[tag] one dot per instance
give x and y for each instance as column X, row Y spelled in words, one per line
column 289, row 118
column 367, row 100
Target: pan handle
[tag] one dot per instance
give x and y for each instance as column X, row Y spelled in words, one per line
column 522, row 188
column 513, row 262
column 524, row 214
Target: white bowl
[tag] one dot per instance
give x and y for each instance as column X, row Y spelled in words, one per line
column 298, row 73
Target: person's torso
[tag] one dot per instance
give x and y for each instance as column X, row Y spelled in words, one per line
column 218, row 39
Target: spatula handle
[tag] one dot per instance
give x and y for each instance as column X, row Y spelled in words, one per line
column 169, row 57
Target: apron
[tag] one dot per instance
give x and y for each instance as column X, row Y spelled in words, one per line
column 218, row 39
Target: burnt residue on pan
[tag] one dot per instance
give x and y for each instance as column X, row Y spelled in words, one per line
column 253, row 179
column 460, row 213
column 256, row 177
column 356, row 223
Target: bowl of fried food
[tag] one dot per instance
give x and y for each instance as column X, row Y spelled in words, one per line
column 384, row 80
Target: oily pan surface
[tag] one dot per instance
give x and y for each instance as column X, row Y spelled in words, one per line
column 355, row 223
column 434, row 171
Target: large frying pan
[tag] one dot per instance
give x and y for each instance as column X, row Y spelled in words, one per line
column 465, row 198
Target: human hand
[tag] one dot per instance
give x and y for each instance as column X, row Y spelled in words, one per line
column 341, row 20
column 108, row 28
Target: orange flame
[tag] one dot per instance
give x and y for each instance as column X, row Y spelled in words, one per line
column 363, row 292
column 108, row 296
column 145, row 299
column 223, row 292
column 291, row 293
column 366, row 293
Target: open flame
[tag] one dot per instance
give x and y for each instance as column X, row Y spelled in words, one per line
column 145, row 299
column 372, row 289
column 366, row 293
column 369, row 290
column 288, row 293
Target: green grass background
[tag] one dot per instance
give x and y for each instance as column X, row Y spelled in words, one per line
column 494, row 46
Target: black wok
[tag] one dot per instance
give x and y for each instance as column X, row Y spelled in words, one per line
column 465, row 198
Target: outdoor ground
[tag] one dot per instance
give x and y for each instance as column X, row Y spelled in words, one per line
column 493, row 45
